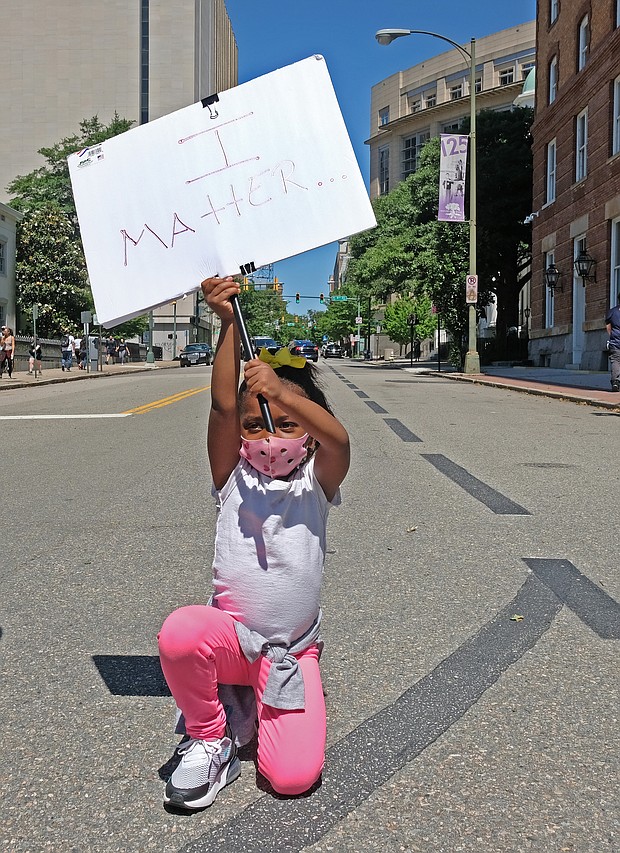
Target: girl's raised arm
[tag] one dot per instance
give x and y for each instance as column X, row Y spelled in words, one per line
column 224, row 432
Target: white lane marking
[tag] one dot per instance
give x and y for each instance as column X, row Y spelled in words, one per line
column 58, row 417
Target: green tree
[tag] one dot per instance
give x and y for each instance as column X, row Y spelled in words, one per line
column 51, row 269
column 50, row 272
column 130, row 328
column 51, row 183
column 396, row 320
column 504, row 201
column 338, row 320
column 262, row 311
column 411, row 252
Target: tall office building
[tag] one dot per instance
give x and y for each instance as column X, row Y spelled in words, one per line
column 69, row 60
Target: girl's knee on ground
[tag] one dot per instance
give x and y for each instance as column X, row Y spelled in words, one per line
column 291, row 778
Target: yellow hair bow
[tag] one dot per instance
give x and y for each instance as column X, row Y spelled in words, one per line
column 282, row 358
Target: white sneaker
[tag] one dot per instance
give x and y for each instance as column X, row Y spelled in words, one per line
column 206, row 767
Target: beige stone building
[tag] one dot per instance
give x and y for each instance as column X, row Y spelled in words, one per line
column 8, row 222
column 432, row 97
column 67, row 60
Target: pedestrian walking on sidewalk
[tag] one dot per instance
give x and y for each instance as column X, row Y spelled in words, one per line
column 67, row 349
column 34, row 357
column 261, row 630
column 7, row 351
column 110, row 351
column 612, row 323
column 122, row 351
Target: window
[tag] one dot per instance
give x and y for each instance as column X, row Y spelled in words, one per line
column 614, row 282
column 415, row 105
column 551, row 170
column 451, row 127
column 431, row 98
column 554, row 8
column 384, row 170
column 583, row 43
column 553, row 79
column 526, row 68
column 548, row 260
column 456, row 92
column 478, row 85
column 506, row 76
column 144, row 61
column 384, row 116
column 2, row 258
column 581, row 146
column 615, row 128
column 412, row 146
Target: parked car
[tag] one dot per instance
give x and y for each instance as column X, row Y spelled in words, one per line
column 268, row 343
column 333, row 351
column 195, row 354
column 309, row 350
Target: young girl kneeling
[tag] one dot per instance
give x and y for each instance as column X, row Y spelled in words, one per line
column 262, row 628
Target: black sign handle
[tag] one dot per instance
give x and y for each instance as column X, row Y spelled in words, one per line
column 248, row 355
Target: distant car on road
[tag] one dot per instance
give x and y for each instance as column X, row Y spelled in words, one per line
column 195, row 354
column 333, row 351
column 309, row 350
column 269, row 344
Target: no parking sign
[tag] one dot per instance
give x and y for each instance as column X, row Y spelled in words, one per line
column 471, row 289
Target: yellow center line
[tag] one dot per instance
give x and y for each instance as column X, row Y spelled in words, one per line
column 166, row 401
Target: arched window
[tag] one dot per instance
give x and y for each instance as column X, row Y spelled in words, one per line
column 583, row 43
column 553, row 79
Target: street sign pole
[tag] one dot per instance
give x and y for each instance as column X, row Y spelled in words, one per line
column 35, row 316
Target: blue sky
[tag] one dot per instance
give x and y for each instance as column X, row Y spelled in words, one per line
column 273, row 33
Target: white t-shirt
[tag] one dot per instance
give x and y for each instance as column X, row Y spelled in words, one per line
column 270, row 549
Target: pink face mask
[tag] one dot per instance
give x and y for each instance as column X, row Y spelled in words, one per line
column 275, row 457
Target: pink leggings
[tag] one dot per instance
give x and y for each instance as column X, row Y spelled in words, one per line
column 198, row 648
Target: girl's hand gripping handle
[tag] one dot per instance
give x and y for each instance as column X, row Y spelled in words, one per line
column 248, row 355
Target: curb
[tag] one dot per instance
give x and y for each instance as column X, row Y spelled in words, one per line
column 55, row 380
column 569, row 394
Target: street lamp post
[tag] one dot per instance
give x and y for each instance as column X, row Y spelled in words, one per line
column 150, row 355
column 174, row 330
column 472, row 358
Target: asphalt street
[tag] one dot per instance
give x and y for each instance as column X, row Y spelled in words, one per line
column 471, row 621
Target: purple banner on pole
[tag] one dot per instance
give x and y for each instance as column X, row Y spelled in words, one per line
column 452, row 177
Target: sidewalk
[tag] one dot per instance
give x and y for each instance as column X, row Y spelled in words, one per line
column 579, row 386
column 50, row 376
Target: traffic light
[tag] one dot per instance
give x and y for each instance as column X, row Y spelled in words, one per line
column 296, row 318
column 297, row 297
column 321, row 299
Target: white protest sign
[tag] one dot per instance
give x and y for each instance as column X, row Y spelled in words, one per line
column 265, row 172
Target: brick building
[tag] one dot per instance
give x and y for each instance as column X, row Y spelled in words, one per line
column 576, row 208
